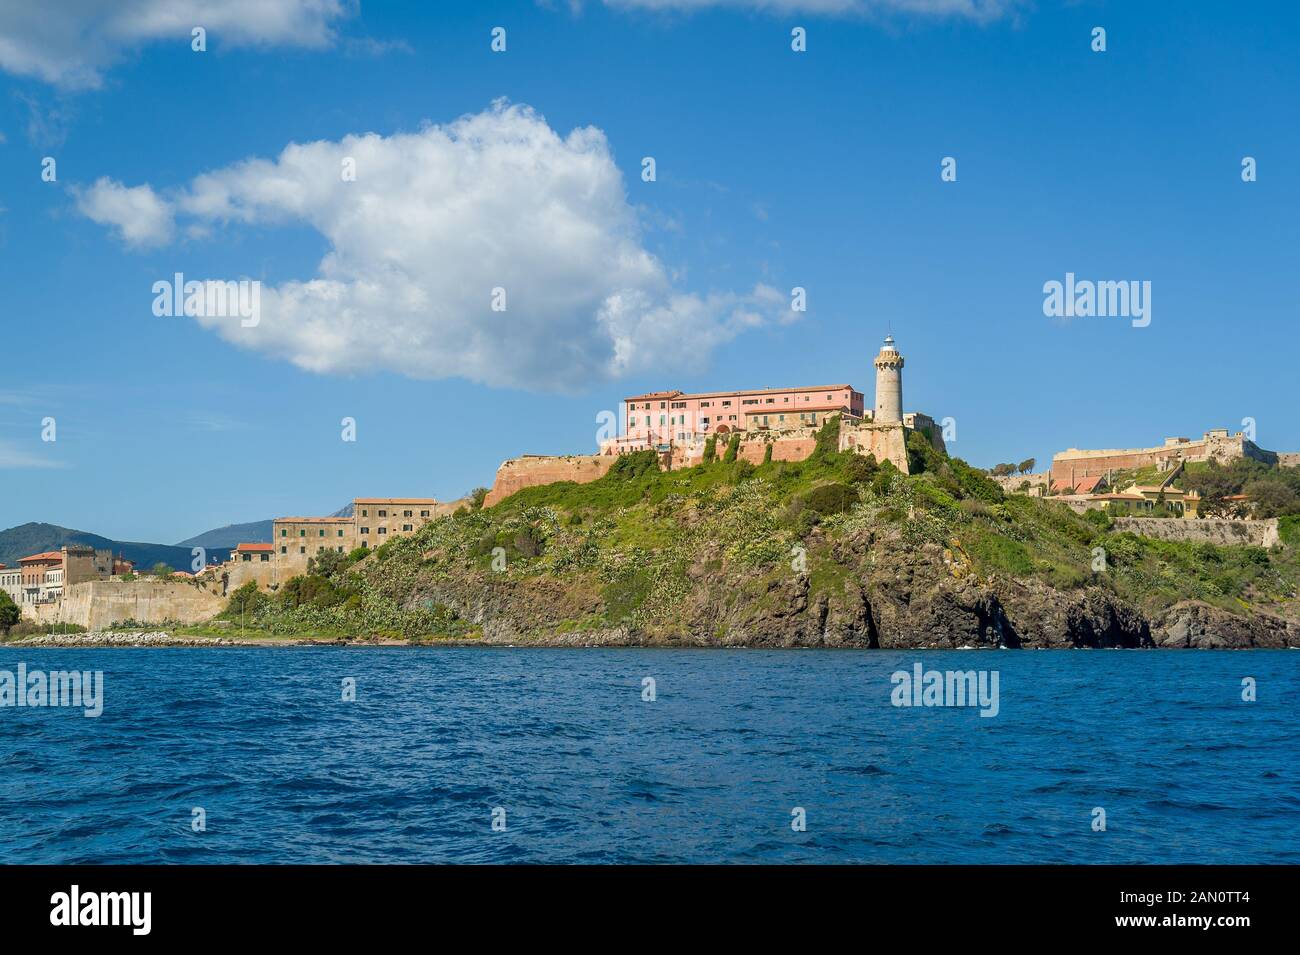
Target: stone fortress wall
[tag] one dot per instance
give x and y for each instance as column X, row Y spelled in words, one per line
column 98, row 604
column 1204, row 530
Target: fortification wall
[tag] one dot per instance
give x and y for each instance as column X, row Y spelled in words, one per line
column 1202, row 530
column 888, row 442
column 98, row 604
column 533, row 470
column 1010, row 483
column 1288, row 459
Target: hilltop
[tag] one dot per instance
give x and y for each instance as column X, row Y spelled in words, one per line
column 834, row 550
column 35, row 538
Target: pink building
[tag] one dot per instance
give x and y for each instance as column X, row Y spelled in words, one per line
column 661, row 418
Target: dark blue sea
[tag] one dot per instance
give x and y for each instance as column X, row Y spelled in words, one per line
column 586, row 770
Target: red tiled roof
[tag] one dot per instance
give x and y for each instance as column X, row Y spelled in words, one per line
column 733, row 394
column 393, row 500
column 313, row 520
column 48, row 555
column 255, row 547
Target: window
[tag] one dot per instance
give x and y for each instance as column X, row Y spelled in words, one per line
column 365, row 513
column 661, row 421
column 406, row 527
column 284, row 550
column 265, row 558
column 750, row 401
column 424, row 513
column 383, row 530
column 321, row 533
column 302, row 550
column 771, row 401
column 302, row 533
column 340, row 533
column 246, row 557
column 679, row 404
column 631, row 422
column 406, row 513
column 383, row 513
column 284, row 532
column 663, row 405
column 726, row 404
column 365, row 530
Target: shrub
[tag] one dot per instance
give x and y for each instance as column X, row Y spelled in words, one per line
column 245, row 600
column 311, row 591
column 828, row 438
column 884, row 478
column 1099, row 519
column 859, row 469
column 733, row 448
column 528, row 542
column 476, row 497
column 767, row 453
column 328, row 563
column 828, row 499
column 710, row 449
column 629, row 467
column 741, row 470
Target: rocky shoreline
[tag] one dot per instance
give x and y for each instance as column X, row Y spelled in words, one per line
column 1190, row 625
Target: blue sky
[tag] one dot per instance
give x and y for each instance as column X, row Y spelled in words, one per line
column 775, row 169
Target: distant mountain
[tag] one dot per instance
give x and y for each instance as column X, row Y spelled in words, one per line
column 231, row 536
column 35, row 538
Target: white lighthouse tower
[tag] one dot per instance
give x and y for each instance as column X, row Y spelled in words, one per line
column 889, row 384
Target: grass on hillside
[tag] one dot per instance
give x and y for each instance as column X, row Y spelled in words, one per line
column 639, row 541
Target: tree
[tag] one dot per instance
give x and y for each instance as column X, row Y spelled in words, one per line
column 1272, row 498
column 476, row 497
column 1027, row 465
column 246, row 599
column 8, row 611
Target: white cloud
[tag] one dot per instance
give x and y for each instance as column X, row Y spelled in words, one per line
column 13, row 458
column 972, row 9
column 433, row 223
column 140, row 216
column 71, row 42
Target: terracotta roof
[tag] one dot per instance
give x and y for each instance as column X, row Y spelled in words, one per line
column 732, row 394
column 1088, row 484
column 313, row 520
column 255, row 547
column 654, row 394
column 394, row 500
column 48, row 555
column 793, row 409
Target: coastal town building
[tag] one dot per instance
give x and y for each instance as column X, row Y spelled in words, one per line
column 41, row 578
column 660, row 419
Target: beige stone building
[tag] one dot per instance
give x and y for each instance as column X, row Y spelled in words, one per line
column 374, row 520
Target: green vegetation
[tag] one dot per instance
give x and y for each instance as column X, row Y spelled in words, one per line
column 645, row 547
column 1274, row 491
column 8, row 612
